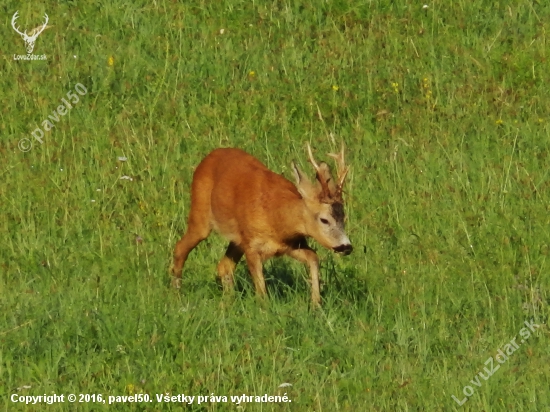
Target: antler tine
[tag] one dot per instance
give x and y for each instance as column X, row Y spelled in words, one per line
column 341, row 164
column 311, row 159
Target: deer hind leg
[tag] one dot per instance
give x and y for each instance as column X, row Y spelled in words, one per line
column 198, row 229
column 254, row 262
column 309, row 257
column 227, row 265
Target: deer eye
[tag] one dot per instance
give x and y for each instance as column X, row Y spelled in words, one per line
column 324, row 221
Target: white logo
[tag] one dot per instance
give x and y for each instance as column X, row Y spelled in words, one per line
column 30, row 38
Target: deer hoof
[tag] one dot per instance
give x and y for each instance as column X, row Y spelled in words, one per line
column 176, row 283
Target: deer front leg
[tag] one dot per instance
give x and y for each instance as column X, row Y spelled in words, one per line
column 254, row 262
column 309, row 257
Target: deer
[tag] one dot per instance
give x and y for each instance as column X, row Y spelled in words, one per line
column 29, row 39
column 264, row 215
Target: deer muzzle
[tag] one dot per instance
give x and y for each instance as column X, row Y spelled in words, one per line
column 344, row 249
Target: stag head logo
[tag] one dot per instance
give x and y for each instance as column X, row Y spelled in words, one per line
column 30, row 38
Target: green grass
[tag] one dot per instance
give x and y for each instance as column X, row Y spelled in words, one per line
column 445, row 113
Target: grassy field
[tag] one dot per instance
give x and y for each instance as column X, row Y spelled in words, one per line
column 445, row 113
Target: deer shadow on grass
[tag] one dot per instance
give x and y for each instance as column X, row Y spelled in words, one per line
column 342, row 283
column 285, row 281
column 281, row 280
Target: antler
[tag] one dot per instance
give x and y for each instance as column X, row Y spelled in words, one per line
column 37, row 30
column 34, row 32
column 13, row 19
column 328, row 189
column 342, row 168
column 311, row 159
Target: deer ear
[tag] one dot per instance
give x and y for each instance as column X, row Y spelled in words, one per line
column 303, row 184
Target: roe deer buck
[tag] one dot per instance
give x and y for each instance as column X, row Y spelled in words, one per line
column 262, row 214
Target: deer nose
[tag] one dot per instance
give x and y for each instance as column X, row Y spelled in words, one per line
column 344, row 249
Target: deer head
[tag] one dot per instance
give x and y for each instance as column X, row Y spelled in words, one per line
column 29, row 39
column 325, row 203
